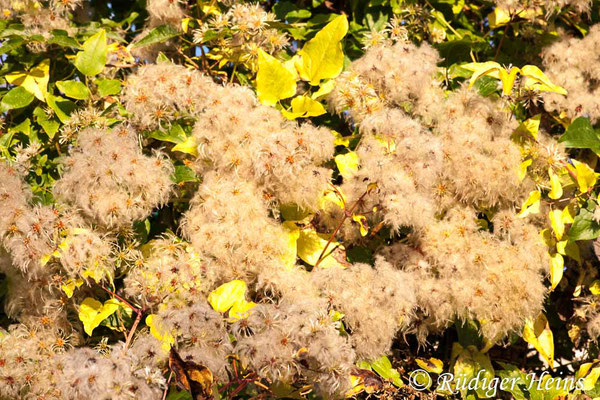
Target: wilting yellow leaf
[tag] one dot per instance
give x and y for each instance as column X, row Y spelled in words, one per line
column 166, row 338
column 539, row 335
column 508, row 79
column 557, row 223
column 322, row 56
column 225, row 296
column 547, row 237
column 190, row 146
column 531, row 205
column 273, row 80
column 92, row 312
column 35, row 81
column 568, row 214
column 241, row 309
column 303, row 106
column 362, row 221
column 70, row 285
column 523, row 168
column 557, row 264
column 432, row 365
column 589, row 374
column 537, row 80
column 311, row 245
column 325, row 89
column 498, row 17
column 556, row 190
column 595, row 287
column 586, row 178
column 347, row 164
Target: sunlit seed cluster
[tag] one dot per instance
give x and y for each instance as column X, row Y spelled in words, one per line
column 573, row 64
column 111, row 181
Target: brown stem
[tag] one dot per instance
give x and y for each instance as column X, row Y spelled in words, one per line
column 138, row 318
column 347, row 213
column 164, row 396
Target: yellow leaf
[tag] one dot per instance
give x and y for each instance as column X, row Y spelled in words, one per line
column 498, row 17
column 568, row 248
column 69, row 286
column 322, row 56
column 557, row 223
column 556, row 190
column 539, row 335
column 531, row 205
column 185, row 23
column 586, row 178
column 241, row 309
column 333, row 196
column 273, row 80
column 341, row 140
column 35, row 81
column 539, row 81
column 92, row 312
column 225, row 296
column 362, row 221
column 556, row 269
column 311, row 245
column 589, row 374
column 167, row 339
column 508, row 79
column 530, row 126
column 547, row 237
column 190, row 146
column 325, row 89
column 568, row 214
column 303, row 106
column 432, row 365
column 595, row 287
column 523, row 168
column 490, row 68
column 347, row 164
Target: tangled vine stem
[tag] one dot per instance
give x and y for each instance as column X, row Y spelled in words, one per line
column 347, row 214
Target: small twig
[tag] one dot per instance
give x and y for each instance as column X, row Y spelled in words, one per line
column 164, row 396
column 138, row 318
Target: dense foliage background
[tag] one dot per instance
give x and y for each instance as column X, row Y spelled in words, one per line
column 303, row 199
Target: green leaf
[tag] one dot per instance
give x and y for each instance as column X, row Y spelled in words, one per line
column 18, row 97
column 512, row 373
column 61, row 106
column 50, row 126
column 108, row 87
column 23, row 127
column 273, row 80
column 581, row 135
column 62, row 38
column 322, row 56
column 184, row 174
column 74, row 89
column 584, row 226
column 92, row 59
column 176, row 134
column 11, row 44
column 384, row 368
column 179, row 395
column 157, row 35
